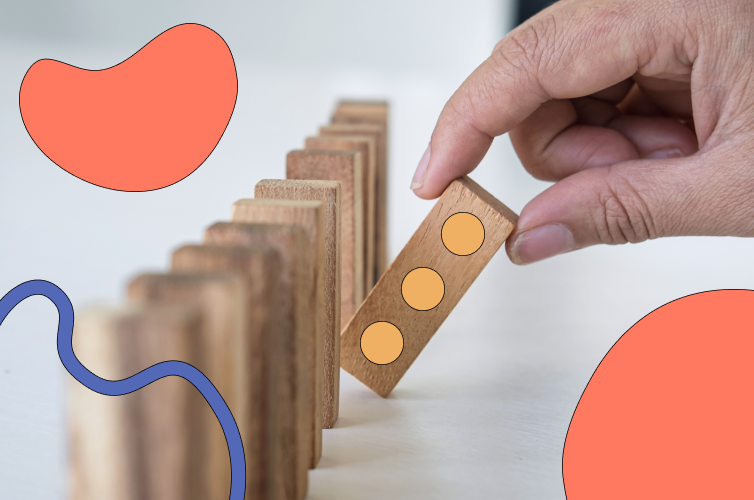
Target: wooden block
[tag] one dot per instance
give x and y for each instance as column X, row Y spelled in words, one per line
column 139, row 445
column 373, row 113
column 220, row 298
column 377, row 133
column 425, row 272
column 346, row 167
column 367, row 147
column 329, row 194
column 309, row 216
column 294, row 396
column 362, row 112
column 266, row 332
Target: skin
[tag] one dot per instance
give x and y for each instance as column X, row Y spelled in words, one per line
column 640, row 111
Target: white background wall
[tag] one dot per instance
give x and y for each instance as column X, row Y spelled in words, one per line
column 414, row 35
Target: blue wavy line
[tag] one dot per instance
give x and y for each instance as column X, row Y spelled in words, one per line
column 137, row 381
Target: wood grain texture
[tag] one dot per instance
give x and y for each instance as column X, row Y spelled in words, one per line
column 346, row 167
column 349, row 111
column 377, row 133
column 373, row 113
column 367, row 147
column 138, row 446
column 425, row 249
column 221, row 301
column 293, row 394
column 329, row 194
column 309, row 216
column 266, row 416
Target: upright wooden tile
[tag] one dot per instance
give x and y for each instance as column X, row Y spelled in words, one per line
column 346, row 167
column 294, row 389
column 372, row 113
column 452, row 273
column 378, row 133
column 349, row 111
column 309, row 216
column 367, row 147
column 221, row 300
column 267, row 416
column 329, row 194
column 139, row 445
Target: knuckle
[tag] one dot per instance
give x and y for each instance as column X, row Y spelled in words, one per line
column 523, row 53
column 723, row 198
column 622, row 213
column 463, row 109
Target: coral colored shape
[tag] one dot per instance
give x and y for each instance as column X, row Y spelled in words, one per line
column 669, row 412
column 143, row 124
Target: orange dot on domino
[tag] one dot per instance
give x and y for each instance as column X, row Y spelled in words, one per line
column 462, row 233
column 382, row 343
column 423, row 289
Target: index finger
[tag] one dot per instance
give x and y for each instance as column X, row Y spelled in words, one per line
column 568, row 50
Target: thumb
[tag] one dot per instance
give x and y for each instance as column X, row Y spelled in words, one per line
column 635, row 201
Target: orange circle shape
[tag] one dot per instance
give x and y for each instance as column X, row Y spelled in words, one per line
column 382, row 343
column 462, row 233
column 423, row 289
column 143, row 124
column 668, row 413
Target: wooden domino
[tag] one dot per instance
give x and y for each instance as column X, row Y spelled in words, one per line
column 293, row 390
column 310, row 216
column 362, row 112
column 366, row 146
column 421, row 287
column 371, row 113
column 377, row 133
column 346, row 167
column 220, row 300
column 267, row 426
column 140, row 445
column 329, row 194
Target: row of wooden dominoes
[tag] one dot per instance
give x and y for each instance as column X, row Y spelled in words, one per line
column 258, row 308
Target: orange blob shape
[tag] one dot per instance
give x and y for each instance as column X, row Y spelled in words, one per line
column 463, row 233
column 423, row 289
column 668, row 413
column 382, row 343
column 144, row 124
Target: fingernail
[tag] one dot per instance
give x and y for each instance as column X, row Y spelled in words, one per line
column 665, row 154
column 541, row 243
column 421, row 170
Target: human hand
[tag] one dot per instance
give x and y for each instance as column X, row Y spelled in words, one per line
column 641, row 110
